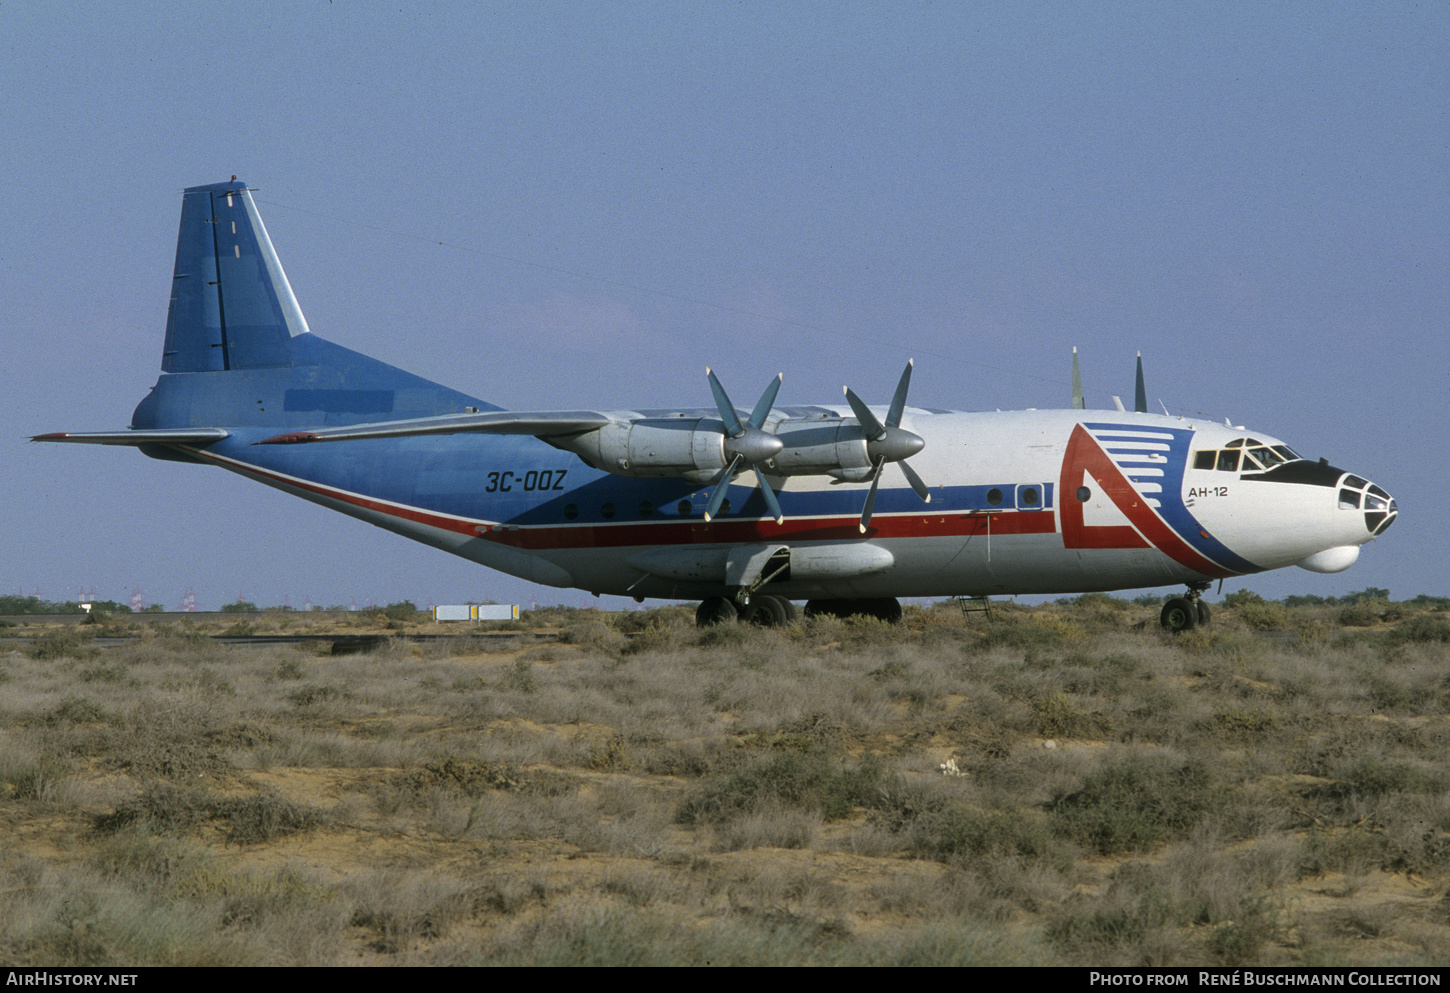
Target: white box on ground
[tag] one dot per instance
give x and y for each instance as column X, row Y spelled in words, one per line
column 476, row 612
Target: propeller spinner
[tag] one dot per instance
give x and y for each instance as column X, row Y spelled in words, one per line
column 889, row 442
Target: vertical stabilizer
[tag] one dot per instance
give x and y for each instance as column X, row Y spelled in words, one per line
column 231, row 304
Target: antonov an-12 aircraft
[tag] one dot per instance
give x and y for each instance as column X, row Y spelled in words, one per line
column 848, row 506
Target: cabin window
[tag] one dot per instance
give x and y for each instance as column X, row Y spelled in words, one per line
column 683, row 508
column 607, row 511
column 1084, row 494
column 1029, row 497
column 994, row 497
column 646, row 509
column 571, row 511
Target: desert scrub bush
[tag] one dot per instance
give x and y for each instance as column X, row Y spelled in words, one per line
column 1420, row 629
column 961, row 833
column 165, row 808
column 1263, row 615
column 592, row 633
column 1352, row 851
column 1026, row 631
column 1370, row 776
column 812, row 781
column 1059, row 716
column 30, row 776
column 637, row 621
column 1363, row 614
column 1138, row 804
column 76, row 710
column 68, row 641
column 1125, row 916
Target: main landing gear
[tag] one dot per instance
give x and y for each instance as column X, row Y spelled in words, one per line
column 1186, row 612
column 762, row 610
column 768, row 611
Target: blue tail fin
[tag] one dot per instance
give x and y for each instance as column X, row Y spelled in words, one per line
column 231, row 304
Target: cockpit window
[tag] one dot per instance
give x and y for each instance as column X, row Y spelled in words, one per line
column 1246, row 454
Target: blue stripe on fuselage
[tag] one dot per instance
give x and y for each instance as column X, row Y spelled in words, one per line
column 1170, row 501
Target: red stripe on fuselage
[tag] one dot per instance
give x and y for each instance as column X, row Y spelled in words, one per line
column 697, row 532
column 679, row 531
column 1084, row 454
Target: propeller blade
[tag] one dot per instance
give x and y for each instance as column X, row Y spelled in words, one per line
column 766, row 401
column 733, row 427
column 874, row 429
column 718, row 497
column 898, row 401
column 871, row 496
column 916, row 481
column 769, row 494
column 1140, row 393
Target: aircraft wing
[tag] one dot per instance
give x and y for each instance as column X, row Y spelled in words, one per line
column 161, row 436
column 541, row 424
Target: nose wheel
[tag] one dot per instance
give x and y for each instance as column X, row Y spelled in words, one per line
column 1184, row 613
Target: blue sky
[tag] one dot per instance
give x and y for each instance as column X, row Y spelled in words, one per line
column 583, row 204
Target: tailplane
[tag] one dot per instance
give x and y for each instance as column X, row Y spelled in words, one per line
column 233, row 312
column 231, row 304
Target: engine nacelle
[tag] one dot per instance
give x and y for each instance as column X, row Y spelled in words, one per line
column 819, row 447
column 688, row 447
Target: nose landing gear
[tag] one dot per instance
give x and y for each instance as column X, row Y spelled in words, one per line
column 1186, row 612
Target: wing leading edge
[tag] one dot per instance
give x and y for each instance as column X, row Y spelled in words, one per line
column 541, row 424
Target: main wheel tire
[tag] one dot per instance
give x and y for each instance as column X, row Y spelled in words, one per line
column 887, row 609
column 1179, row 614
column 766, row 612
column 715, row 610
column 1204, row 614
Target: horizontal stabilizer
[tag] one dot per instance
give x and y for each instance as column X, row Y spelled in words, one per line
column 160, row 436
column 543, row 424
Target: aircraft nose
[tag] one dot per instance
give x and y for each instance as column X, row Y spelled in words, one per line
column 1380, row 509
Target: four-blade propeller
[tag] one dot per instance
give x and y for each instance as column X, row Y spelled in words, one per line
column 745, row 445
column 888, row 442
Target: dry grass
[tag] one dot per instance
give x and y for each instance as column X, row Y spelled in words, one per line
column 1269, row 791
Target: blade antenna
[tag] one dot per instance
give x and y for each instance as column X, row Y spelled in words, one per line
column 1140, row 392
column 1077, row 400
